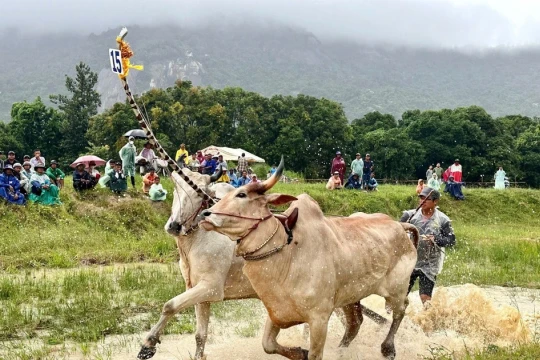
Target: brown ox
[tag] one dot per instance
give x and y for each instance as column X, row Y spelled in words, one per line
column 330, row 263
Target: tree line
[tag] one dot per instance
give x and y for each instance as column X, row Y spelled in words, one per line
column 306, row 130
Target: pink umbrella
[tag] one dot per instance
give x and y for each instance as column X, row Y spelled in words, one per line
column 87, row 159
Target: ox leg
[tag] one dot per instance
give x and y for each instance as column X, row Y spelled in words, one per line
column 271, row 346
column 202, row 311
column 317, row 337
column 398, row 306
column 196, row 295
column 354, row 318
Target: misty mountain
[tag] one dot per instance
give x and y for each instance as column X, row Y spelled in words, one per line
column 278, row 59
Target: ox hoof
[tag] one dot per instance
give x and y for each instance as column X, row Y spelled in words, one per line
column 388, row 351
column 305, row 354
column 147, row 352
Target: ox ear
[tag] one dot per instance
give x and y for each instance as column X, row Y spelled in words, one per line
column 279, row 199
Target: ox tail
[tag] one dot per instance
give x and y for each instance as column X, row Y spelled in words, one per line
column 411, row 229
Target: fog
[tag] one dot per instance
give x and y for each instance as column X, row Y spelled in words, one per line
column 434, row 23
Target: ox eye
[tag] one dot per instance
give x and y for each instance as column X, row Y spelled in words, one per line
column 241, row 195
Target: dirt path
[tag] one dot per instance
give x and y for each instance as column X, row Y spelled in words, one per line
column 460, row 315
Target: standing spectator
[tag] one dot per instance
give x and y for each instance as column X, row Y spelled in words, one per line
column 456, row 171
column 148, row 181
column 372, row 183
column 357, row 167
column 148, row 154
column 118, row 181
column 243, row 180
column 127, row 154
column 180, row 152
column 11, row 159
column 368, row 168
column 82, row 180
column 339, row 166
column 273, row 170
column 499, row 179
column 10, row 187
column 242, row 164
column 334, row 183
column 434, row 182
column 436, row 233
column 157, row 192
column 419, row 186
column 43, row 191
column 56, row 175
column 37, row 159
column 193, row 163
column 429, row 173
column 439, row 171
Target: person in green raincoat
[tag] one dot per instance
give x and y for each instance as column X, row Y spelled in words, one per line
column 43, row 191
column 127, row 154
column 157, row 192
column 434, row 182
column 104, row 181
column 118, row 181
column 56, row 175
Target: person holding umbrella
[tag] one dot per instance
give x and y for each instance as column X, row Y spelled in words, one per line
column 56, row 175
column 82, row 179
column 127, row 154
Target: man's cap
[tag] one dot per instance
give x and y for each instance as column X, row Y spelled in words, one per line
column 336, row 172
column 11, row 153
column 54, row 162
column 358, row 154
column 39, row 165
column 27, row 163
column 26, row 157
column 117, row 163
column 338, row 152
column 430, row 194
column 368, row 155
column 8, row 167
column 17, row 165
column 78, row 164
column 457, row 160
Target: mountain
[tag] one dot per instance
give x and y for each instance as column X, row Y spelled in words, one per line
column 277, row 59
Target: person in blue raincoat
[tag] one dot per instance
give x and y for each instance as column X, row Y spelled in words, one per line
column 10, row 187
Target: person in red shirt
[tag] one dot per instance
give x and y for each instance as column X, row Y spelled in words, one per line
column 338, row 165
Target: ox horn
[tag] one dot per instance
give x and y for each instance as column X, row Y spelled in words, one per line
column 214, row 177
column 269, row 183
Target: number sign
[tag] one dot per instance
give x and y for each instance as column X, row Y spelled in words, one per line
column 116, row 61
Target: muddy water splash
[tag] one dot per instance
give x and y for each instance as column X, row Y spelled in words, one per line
column 460, row 316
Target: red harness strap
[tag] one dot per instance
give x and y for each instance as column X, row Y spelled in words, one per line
column 255, row 226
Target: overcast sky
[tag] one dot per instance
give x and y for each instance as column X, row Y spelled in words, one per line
column 447, row 23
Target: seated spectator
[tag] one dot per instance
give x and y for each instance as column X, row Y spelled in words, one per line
column 354, row 182
column 10, row 187
column 23, row 179
column 104, row 181
column 118, row 181
column 419, row 186
column 27, row 169
column 26, row 158
column 243, row 180
column 372, row 183
column 148, row 154
column 43, row 191
column 334, row 183
column 148, row 180
column 193, row 163
column 157, row 192
column 94, row 173
column 11, row 159
column 254, row 179
column 56, row 175
column 225, row 176
column 232, row 177
column 454, row 188
column 82, row 180
column 434, row 182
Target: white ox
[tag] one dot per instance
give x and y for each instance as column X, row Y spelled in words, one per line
column 330, row 263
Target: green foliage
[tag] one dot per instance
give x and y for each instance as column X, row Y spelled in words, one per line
column 76, row 110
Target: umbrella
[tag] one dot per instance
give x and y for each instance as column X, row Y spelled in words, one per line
column 136, row 133
column 86, row 159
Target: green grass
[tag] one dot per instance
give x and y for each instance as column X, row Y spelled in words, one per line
column 522, row 352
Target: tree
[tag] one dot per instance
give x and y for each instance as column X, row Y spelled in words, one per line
column 77, row 109
column 375, row 121
column 36, row 126
column 528, row 144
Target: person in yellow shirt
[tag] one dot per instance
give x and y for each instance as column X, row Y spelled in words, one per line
column 182, row 151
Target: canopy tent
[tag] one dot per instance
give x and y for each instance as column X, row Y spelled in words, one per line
column 230, row 154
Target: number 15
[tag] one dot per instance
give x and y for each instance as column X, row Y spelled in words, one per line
column 116, row 61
